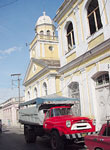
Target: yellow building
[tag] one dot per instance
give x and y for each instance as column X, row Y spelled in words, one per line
column 84, row 46
column 41, row 77
column 77, row 64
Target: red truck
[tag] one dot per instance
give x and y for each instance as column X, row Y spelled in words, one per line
column 100, row 141
column 58, row 123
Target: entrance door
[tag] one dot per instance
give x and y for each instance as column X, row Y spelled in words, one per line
column 103, row 104
column 103, row 98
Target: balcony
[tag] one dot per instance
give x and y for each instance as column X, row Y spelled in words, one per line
column 40, row 37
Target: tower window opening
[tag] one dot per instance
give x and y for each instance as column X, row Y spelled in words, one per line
column 41, row 32
column 48, row 32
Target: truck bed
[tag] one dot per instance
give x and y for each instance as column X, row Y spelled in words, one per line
column 30, row 116
column 31, row 112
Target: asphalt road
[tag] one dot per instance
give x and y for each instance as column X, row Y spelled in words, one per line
column 13, row 139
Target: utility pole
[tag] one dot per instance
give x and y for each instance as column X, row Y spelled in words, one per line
column 18, row 80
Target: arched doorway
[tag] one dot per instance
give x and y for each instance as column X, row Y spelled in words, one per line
column 73, row 91
column 102, row 86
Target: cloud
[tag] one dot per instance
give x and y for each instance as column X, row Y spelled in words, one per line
column 9, row 51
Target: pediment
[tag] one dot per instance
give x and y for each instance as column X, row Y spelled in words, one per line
column 38, row 66
column 34, row 68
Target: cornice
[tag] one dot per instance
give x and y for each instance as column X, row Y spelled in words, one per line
column 61, row 11
column 36, row 76
column 46, row 69
column 89, row 54
column 45, row 25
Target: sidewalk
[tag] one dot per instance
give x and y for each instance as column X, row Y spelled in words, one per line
column 14, row 128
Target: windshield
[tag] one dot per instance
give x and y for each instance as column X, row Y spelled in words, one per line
column 60, row 112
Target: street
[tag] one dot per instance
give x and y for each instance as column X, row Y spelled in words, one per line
column 13, row 139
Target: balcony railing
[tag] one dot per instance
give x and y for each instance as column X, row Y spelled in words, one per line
column 44, row 37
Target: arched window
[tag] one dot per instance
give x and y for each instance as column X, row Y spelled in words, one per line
column 48, row 32
column 70, row 36
column 28, row 95
column 102, row 79
column 93, row 15
column 35, row 92
column 73, row 90
column 44, row 89
column 41, row 32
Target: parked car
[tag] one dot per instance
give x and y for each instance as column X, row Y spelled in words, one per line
column 0, row 125
column 100, row 141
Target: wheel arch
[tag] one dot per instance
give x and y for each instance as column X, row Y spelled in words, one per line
column 98, row 148
column 58, row 130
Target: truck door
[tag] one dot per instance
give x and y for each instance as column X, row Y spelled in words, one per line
column 47, row 121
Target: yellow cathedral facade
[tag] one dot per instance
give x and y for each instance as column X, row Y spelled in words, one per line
column 77, row 62
column 42, row 74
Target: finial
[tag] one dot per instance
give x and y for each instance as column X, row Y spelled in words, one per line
column 44, row 13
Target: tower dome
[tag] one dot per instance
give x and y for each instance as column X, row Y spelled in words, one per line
column 44, row 20
column 45, row 25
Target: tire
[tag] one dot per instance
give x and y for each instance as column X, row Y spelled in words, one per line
column 30, row 136
column 98, row 149
column 0, row 130
column 56, row 141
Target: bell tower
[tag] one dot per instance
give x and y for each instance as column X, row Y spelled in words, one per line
column 45, row 43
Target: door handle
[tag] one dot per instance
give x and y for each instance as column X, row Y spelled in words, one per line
column 95, row 139
column 101, row 139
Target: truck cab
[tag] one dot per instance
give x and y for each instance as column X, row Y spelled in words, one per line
column 61, row 124
column 62, row 119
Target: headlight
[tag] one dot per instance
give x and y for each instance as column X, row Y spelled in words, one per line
column 68, row 123
column 94, row 122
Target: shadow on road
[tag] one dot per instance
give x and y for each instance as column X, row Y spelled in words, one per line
column 13, row 139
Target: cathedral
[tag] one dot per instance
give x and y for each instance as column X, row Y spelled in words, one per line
column 76, row 63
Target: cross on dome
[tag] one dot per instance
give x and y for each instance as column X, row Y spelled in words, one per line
column 44, row 20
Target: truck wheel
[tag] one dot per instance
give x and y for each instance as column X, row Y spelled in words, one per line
column 30, row 136
column 56, row 141
column 0, row 130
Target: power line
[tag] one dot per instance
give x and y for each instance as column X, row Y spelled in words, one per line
column 10, row 3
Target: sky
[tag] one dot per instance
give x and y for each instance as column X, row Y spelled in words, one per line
column 17, row 24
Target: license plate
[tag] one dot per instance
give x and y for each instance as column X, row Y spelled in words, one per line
column 84, row 134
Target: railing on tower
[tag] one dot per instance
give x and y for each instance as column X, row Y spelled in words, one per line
column 44, row 37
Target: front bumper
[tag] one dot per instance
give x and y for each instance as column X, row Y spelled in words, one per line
column 78, row 135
